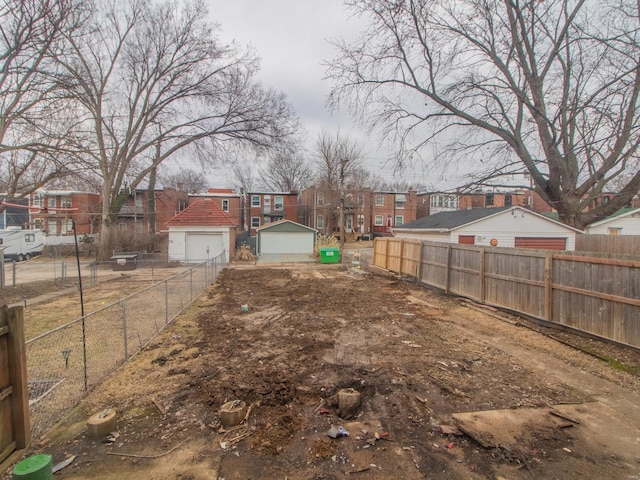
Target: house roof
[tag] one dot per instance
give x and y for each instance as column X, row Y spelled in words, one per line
column 447, row 221
column 285, row 226
column 623, row 212
column 452, row 219
column 202, row 213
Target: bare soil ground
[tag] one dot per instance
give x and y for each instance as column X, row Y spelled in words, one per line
column 417, row 357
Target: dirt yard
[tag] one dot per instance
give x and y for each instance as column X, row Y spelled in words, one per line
column 425, row 365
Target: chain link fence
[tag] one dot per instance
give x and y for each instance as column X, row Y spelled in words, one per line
column 63, row 364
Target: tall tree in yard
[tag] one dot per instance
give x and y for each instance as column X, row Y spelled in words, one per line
column 548, row 88
column 339, row 159
column 35, row 124
column 150, row 80
column 287, row 169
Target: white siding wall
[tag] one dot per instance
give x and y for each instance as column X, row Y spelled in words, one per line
column 429, row 236
column 505, row 227
column 630, row 225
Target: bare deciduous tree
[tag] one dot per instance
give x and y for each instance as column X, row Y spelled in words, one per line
column 191, row 180
column 555, row 82
column 34, row 124
column 286, row 170
column 339, row 159
column 151, row 80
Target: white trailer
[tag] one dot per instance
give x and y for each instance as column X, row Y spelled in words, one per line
column 21, row 244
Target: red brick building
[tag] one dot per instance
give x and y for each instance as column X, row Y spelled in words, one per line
column 268, row 207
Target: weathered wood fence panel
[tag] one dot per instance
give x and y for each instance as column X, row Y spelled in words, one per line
column 618, row 244
column 14, row 396
column 595, row 294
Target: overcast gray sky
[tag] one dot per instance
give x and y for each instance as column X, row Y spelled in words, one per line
column 291, row 37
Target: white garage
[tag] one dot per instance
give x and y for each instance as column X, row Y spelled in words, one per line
column 285, row 238
column 201, row 232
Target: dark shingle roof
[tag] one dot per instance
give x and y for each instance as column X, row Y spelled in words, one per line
column 453, row 219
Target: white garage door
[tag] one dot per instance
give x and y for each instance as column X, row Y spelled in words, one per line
column 203, row 246
column 286, row 242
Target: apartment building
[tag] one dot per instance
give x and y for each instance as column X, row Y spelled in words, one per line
column 268, row 207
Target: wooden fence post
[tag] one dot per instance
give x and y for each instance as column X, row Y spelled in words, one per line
column 448, row 271
column 401, row 256
column 386, row 254
column 420, row 263
column 548, row 286
column 481, row 292
column 18, row 377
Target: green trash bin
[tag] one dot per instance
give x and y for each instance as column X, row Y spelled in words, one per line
column 37, row 467
column 329, row 254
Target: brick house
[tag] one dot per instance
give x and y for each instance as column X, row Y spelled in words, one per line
column 137, row 211
column 268, row 207
column 366, row 212
column 56, row 222
column 436, row 202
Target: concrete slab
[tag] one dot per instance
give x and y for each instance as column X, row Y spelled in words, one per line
column 286, row 258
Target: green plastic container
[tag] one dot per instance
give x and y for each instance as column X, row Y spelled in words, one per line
column 329, row 254
column 37, row 467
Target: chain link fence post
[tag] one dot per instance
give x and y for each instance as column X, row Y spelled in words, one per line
column 166, row 302
column 124, row 328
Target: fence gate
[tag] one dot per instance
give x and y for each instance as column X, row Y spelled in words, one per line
column 14, row 395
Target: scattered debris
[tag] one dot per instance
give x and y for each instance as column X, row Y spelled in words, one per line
column 63, row 464
column 112, row 437
column 337, row 432
column 564, row 416
column 450, row 430
column 147, row 456
column 160, row 408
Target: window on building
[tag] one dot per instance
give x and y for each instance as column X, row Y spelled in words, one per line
column 255, row 222
column 361, row 199
column 320, row 198
column 65, row 201
column 379, row 200
column 320, row 222
column 51, row 202
column 444, row 201
column 399, row 220
column 488, row 199
column 379, row 221
column 400, row 201
column 66, row 226
column 615, row 231
column 138, row 200
column 508, row 200
column 278, row 202
column 38, row 200
column 225, row 205
column 255, row 202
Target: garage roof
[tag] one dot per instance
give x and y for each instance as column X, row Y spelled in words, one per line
column 200, row 213
column 447, row 221
column 285, row 226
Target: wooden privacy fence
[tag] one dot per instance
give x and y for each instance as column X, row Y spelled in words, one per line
column 594, row 294
column 618, row 244
column 14, row 396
